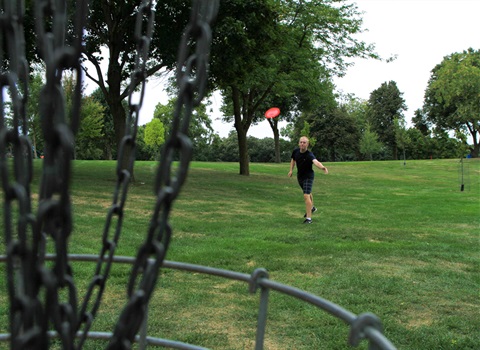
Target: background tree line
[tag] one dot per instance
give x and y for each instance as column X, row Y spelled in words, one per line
column 352, row 130
column 266, row 53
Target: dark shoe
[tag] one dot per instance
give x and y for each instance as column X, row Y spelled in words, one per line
column 307, row 221
column 313, row 211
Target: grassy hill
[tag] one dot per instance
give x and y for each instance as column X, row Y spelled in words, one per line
column 399, row 241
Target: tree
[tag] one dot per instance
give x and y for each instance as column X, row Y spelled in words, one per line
column 384, row 106
column 110, row 37
column 312, row 140
column 268, row 45
column 452, row 101
column 443, row 146
column 303, row 91
column 245, row 36
column 200, row 132
column 369, row 143
column 108, row 141
column 356, row 108
column 87, row 145
column 419, row 146
column 111, row 33
column 154, row 134
column 33, row 113
column 338, row 134
column 420, row 122
column 401, row 136
column 87, row 139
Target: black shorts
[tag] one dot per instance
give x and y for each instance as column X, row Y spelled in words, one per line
column 306, row 184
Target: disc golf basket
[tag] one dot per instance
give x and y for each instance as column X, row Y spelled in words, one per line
column 42, row 294
column 464, row 174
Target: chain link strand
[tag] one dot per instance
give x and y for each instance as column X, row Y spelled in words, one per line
column 109, row 245
column 27, row 275
column 191, row 81
column 54, row 215
column 114, row 219
column 21, row 276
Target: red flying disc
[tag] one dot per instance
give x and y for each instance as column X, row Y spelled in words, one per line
column 272, row 113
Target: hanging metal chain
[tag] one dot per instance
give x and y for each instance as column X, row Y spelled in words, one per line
column 143, row 34
column 191, row 81
column 16, row 188
column 29, row 279
column 54, row 216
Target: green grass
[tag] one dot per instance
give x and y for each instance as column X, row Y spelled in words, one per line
column 399, row 241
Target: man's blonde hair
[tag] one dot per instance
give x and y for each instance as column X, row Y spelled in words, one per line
column 305, row 137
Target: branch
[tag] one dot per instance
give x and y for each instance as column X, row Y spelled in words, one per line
column 149, row 72
column 264, row 95
column 100, row 82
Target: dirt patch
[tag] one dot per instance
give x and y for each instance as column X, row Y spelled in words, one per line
column 417, row 317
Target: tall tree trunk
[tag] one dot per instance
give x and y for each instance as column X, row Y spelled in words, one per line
column 242, row 129
column 34, row 143
column 120, row 124
column 108, row 151
column 116, row 108
column 276, row 138
column 243, row 153
column 476, row 144
column 119, row 121
column 475, row 149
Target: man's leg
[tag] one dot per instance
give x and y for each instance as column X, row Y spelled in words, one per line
column 308, row 197
column 314, row 209
column 308, row 205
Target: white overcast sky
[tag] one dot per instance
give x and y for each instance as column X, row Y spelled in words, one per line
column 420, row 32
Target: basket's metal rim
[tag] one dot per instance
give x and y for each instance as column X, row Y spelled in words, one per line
column 107, row 335
column 335, row 310
column 326, row 305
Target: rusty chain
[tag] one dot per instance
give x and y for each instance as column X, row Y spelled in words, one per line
column 29, row 278
column 191, row 81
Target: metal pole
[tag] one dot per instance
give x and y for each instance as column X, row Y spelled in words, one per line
column 462, row 186
column 262, row 319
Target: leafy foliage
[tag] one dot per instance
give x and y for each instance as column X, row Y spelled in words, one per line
column 200, row 130
column 154, row 133
column 33, row 112
column 87, row 145
column 280, row 53
column 107, row 143
column 338, row 135
column 385, row 105
column 369, row 144
column 452, row 101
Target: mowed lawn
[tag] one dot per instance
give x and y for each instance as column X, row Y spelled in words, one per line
column 400, row 241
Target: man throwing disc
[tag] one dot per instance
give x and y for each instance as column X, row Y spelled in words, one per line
column 305, row 174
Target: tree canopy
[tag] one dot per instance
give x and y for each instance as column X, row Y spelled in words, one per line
column 281, row 52
column 265, row 53
column 154, row 133
column 452, row 99
column 110, row 35
column 386, row 105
